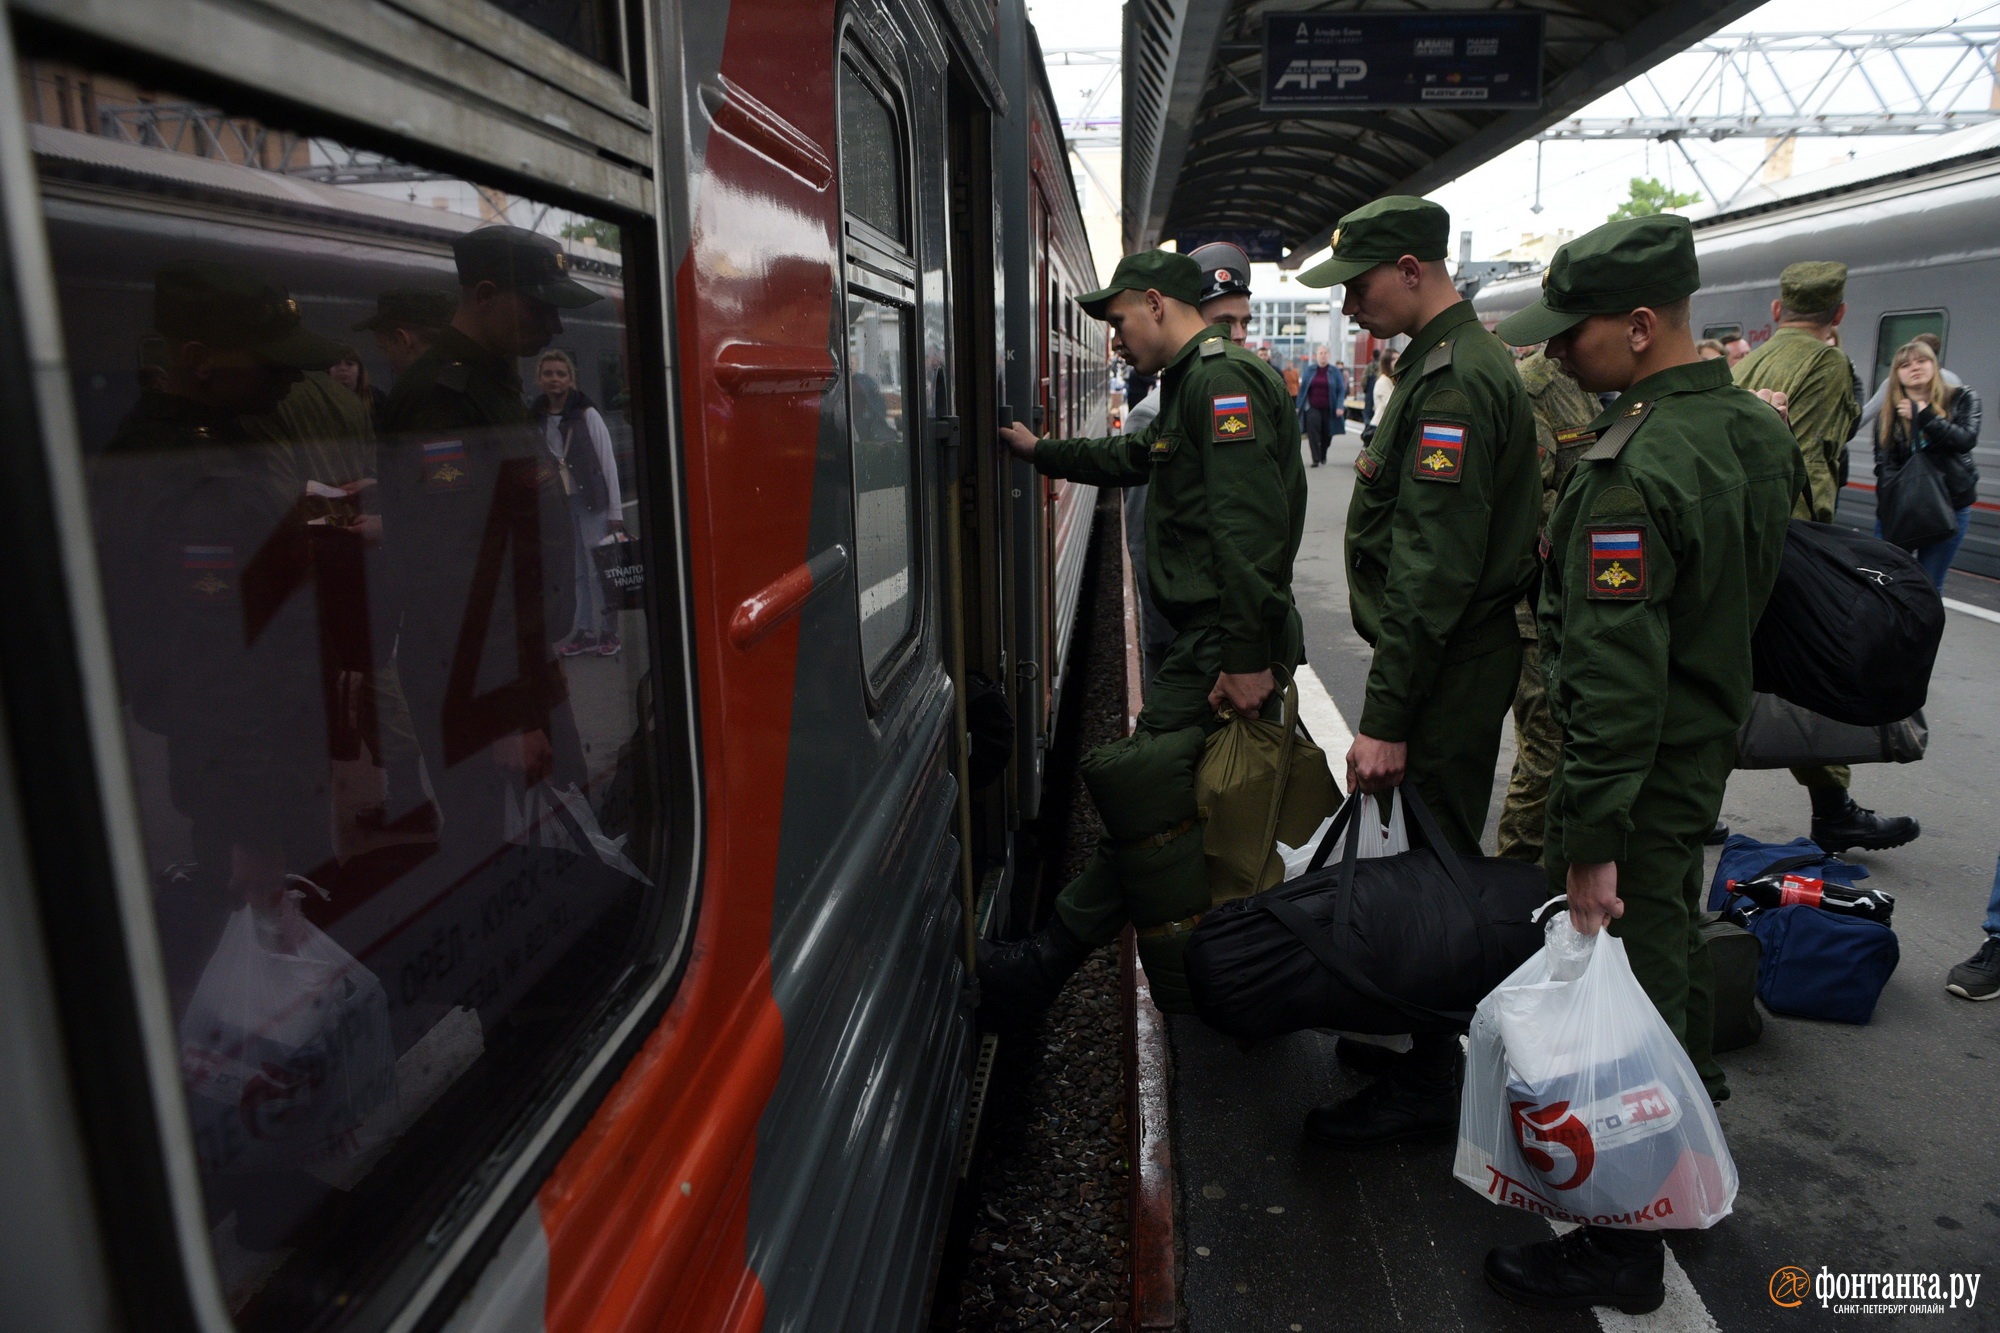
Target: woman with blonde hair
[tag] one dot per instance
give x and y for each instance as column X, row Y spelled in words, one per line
column 574, row 433
column 1923, row 412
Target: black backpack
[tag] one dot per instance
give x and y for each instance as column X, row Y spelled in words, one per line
column 1406, row 943
column 1851, row 629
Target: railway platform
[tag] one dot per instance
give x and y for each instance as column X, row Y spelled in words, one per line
column 1861, row 1149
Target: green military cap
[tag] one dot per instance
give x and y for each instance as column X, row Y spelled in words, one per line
column 1381, row 232
column 1617, row 267
column 1160, row 271
column 410, row 307
column 519, row 260
column 1813, row 287
column 226, row 306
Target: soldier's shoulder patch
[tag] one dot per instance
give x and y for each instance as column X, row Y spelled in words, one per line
column 1447, row 402
column 1214, row 346
column 208, row 571
column 454, row 375
column 1614, row 501
column 446, row 466
column 1230, row 417
column 1367, row 464
column 1613, row 437
column 1575, row 435
column 1617, row 562
column 1162, row 447
column 1439, row 452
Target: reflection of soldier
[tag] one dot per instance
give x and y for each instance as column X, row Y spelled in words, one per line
column 477, row 542
column 215, row 650
column 406, row 323
column 1562, row 412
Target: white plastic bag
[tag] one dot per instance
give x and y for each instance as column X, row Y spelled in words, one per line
column 285, row 1047
column 1579, row 1104
column 1375, row 839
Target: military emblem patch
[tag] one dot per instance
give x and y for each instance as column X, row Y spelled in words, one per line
column 1575, row 435
column 1439, row 453
column 446, row 467
column 208, row 573
column 1617, row 564
column 1232, row 420
column 1367, row 464
column 1161, row 449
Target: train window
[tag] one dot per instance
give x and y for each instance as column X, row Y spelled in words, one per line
column 1721, row 332
column 588, row 27
column 882, row 399
column 367, row 511
column 1898, row 328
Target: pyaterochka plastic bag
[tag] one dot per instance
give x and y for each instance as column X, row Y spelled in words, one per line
column 1579, row 1104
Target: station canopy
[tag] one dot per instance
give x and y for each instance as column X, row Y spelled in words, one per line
column 1202, row 153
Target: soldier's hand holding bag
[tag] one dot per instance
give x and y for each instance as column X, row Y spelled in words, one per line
column 1579, row 1103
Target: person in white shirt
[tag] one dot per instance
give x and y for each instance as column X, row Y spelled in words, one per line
column 579, row 444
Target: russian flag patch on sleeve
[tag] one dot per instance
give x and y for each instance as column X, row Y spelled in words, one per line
column 1439, row 453
column 1617, row 564
column 1232, row 420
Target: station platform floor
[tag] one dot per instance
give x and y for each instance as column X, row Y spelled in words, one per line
column 1861, row 1149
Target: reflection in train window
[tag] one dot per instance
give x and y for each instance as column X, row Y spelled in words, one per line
column 881, row 398
column 1897, row 329
column 386, row 683
column 588, row 27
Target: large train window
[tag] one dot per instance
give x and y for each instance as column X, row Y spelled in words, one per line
column 367, row 501
column 1898, row 328
column 882, row 398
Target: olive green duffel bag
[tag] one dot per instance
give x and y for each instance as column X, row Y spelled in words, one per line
column 1261, row 782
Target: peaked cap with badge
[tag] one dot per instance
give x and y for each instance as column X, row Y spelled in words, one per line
column 1381, row 232
column 227, row 306
column 1615, row 268
column 1225, row 269
column 411, row 307
column 1161, row 271
column 516, row 259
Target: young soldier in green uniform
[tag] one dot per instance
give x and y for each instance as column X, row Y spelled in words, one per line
column 1803, row 361
column 1440, row 546
column 1660, row 555
column 1563, row 413
column 1226, row 507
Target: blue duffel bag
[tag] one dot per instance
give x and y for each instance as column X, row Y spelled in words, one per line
column 1815, row 964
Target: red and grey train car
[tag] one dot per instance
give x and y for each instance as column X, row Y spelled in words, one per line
column 686, row 1041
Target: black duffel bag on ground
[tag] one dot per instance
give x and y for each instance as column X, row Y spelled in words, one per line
column 1389, row 944
column 1851, row 629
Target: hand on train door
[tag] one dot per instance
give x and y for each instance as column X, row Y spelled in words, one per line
column 1020, row 440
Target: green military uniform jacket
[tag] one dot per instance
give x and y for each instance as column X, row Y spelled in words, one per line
column 1226, row 497
column 1660, row 556
column 1441, row 528
column 1563, row 413
column 478, row 545
column 1818, row 384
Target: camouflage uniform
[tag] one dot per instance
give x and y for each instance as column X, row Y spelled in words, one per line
column 1818, row 383
column 1563, row 412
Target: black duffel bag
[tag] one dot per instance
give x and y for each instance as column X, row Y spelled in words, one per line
column 1383, row 945
column 1851, row 629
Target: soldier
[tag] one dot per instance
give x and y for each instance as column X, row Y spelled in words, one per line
column 1803, row 361
column 1225, row 300
column 1440, row 546
column 1226, row 511
column 1660, row 555
column 200, row 549
column 1563, row 413
column 406, row 322
column 476, row 541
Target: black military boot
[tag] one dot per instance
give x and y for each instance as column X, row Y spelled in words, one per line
column 1838, row 824
column 1365, row 1057
column 1416, row 1099
column 1025, row 977
column 1581, row 1268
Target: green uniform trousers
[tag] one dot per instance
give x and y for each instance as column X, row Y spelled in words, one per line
column 1537, row 742
column 1093, row 905
column 1660, row 883
column 1833, row 775
column 1455, row 741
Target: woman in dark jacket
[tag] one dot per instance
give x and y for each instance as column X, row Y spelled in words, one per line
column 1923, row 412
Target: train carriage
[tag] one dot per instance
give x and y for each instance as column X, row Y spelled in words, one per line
column 387, row 949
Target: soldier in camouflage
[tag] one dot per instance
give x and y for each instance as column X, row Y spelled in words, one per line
column 1563, row 413
column 1803, row 361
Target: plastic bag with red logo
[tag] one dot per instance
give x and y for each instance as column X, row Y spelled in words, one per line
column 285, row 1047
column 1580, row 1105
